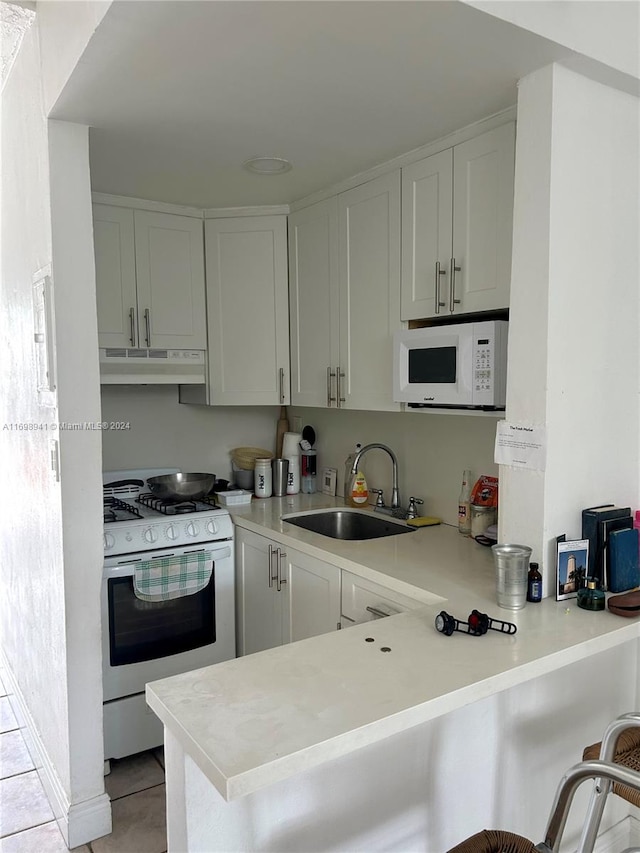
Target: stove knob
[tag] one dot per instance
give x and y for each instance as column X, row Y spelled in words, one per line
column 191, row 529
column 150, row 535
column 171, row 532
column 109, row 541
column 212, row 527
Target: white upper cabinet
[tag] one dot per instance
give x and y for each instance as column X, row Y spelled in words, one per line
column 170, row 279
column 247, row 310
column 344, row 259
column 116, row 297
column 457, row 228
column 313, row 301
column 149, row 279
column 369, row 283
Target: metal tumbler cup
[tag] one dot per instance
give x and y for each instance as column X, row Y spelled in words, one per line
column 512, row 566
column 280, row 469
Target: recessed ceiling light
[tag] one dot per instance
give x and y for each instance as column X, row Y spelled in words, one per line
column 267, row 165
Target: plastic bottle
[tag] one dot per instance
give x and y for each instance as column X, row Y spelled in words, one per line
column 534, row 583
column 348, row 476
column 464, row 505
column 263, row 482
column 308, row 475
column 636, row 519
column 358, row 491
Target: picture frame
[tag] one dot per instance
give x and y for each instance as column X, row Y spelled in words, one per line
column 572, row 559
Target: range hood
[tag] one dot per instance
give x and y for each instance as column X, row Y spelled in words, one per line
column 121, row 366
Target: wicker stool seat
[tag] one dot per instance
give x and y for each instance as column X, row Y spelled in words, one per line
column 628, row 755
column 494, row 841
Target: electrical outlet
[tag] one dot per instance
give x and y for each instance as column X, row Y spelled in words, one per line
column 297, row 423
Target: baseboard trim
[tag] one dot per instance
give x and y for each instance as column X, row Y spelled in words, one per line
column 80, row 822
column 621, row 836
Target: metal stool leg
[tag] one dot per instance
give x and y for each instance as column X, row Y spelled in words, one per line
column 602, row 787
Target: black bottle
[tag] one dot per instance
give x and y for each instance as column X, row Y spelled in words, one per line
column 534, row 583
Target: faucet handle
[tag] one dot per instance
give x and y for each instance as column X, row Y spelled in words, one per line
column 412, row 509
column 380, row 498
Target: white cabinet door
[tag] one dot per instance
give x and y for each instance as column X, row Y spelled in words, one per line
column 247, row 310
column 314, row 596
column 261, row 597
column 457, row 218
column 363, row 600
column 427, row 222
column 313, row 302
column 113, row 239
column 483, row 171
column 170, row 280
column 369, row 275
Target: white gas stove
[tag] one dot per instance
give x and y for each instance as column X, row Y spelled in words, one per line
column 135, row 520
column 146, row 640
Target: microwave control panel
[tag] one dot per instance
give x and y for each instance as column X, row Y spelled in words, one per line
column 489, row 357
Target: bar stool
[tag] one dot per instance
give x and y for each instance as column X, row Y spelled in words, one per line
column 617, row 769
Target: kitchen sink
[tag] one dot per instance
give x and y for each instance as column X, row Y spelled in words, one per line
column 352, row 524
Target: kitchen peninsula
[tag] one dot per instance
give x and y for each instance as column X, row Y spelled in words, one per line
column 333, row 743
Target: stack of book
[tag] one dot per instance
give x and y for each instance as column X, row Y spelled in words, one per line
column 613, row 547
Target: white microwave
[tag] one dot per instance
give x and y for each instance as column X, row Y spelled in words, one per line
column 462, row 365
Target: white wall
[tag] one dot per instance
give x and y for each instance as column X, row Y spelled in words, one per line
column 432, row 450
column 50, row 559
column 164, row 432
column 66, row 29
column 606, row 30
column 575, row 297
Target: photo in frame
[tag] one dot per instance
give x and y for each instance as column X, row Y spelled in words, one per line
column 571, row 566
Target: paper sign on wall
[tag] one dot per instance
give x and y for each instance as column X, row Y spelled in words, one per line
column 521, row 446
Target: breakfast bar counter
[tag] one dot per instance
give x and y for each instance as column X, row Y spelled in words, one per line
column 391, row 707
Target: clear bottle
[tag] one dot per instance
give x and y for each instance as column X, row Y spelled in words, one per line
column 534, row 583
column 464, row 505
column 308, row 462
column 348, row 476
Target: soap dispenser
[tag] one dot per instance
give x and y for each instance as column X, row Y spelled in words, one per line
column 348, row 465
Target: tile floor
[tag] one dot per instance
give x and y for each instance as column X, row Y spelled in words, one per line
column 135, row 785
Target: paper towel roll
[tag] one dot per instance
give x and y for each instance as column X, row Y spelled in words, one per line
column 291, row 444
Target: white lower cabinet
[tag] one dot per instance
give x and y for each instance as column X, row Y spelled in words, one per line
column 363, row 600
column 282, row 595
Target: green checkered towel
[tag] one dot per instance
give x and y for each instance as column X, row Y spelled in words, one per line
column 172, row 577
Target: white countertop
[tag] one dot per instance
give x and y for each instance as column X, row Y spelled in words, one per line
column 253, row 721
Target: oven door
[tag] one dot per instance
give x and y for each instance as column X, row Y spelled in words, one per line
column 143, row 641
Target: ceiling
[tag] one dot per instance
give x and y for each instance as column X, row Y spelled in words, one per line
column 179, row 94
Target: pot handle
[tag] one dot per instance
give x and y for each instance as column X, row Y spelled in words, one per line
column 118, row 483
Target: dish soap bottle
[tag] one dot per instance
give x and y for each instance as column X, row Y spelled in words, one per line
column 358, row 492
column 464, row 505
column 348, row 465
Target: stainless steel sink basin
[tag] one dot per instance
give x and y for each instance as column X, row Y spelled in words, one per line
column 353, row 524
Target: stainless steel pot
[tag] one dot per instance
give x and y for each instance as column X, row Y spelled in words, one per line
column 181, row 487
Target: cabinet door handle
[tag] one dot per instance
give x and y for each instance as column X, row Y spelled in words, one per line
column 379, row 614
column 339, row 377
column 147, row 326
column 271, row 575
column 330, row 399
column 132, row 326
column 282, row 394
column 439, row 272
column 281, row 556
column 452, row 293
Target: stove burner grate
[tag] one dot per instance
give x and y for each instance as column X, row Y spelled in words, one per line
column 167, row 507
column 112, row 506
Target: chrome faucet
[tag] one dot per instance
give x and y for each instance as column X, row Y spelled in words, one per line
column 395, row 498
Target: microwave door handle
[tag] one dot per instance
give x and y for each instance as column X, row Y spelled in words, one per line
column 452, row 293
column 439, row 272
